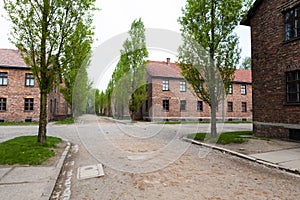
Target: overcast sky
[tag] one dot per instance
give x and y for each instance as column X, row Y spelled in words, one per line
column 116, row 16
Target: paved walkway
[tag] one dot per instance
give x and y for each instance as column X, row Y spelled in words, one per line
column 285, row 159
column 29, row 183
column 38, row 182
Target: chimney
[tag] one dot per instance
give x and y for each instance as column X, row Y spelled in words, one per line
column 168, row 61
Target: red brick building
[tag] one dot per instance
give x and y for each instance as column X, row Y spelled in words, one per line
column 275, row 36
column 170, row 97
column 19, row 92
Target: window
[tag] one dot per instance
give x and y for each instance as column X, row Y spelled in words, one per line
column 2, row 104
column 182, row 86
column 199, row 106
column 29, row 80
column 182, row 105
column 292, row 23
column 28, row 105
column 166, row 105
column 244, row 106
column 293, row 86
column 165, row 85
column 229, row 106
column 3, row 78
column 243, row 90
column 230, row 91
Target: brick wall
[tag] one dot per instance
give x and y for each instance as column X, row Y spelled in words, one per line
column 272, row 57
column 15, row 93
column 174, row 95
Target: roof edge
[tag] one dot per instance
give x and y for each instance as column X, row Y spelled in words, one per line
column 246, row 19
column 14, row 67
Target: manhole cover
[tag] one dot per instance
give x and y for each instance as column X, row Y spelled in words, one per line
column 91, row 171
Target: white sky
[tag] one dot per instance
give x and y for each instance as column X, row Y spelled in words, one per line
column 116, row 16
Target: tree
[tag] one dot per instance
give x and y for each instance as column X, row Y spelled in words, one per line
column 209, row 53
column 246, row 64
column 128, row 81
column 41, row 31
column 75, row 62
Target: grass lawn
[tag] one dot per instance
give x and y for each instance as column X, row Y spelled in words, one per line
column 18, row 123
column 25, row 150
column 69, row 120
column 224, row 138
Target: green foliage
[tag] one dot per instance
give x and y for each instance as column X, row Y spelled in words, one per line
column 210, row 53
column 18, row 123
column 69, row 120
column 44, row 31
column 26, row 150
column 224, row 138
column 127, row 88
column 246, row 64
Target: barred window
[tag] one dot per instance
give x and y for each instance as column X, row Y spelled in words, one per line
column 243, row 90
column 244, row 106
column 293, row 86
column 292, row 23
column 182, row 105
column 28, row 104
column 199, row 106
column 182, row 86
column 229, row 106
column 3, row 78
column 165, row 105
column 29, row 80
column 2, row 104
column 165, row 85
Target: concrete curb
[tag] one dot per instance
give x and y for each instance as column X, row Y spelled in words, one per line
column 53, row 179
column 250, row 158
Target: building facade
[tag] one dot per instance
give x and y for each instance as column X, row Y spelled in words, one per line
column 275, row 36
column 19, row 91
column 170, row 96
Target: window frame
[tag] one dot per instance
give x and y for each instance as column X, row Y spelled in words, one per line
column 29, row 77
column 28, row 104
column 229, row 106
column 3, row 104
column 183, row 105
column 292, row 24
column 166, row 105
column 200, row 106
column 243, row 90
column 3, row 77
column 182, row 87
column 244, row 106
column 290, row 83
column 230, row 89
column 165, row 85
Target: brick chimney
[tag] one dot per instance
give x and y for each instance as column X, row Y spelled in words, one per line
column 168, row 61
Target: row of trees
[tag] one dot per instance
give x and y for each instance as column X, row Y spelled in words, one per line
column 127, row 90
column 54, row 37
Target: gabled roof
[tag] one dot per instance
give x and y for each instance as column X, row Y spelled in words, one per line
column 242, row 76
column 162, row 70
column 251, row 12
column 11, row 58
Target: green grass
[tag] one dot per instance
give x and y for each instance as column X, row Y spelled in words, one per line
column 25, row 150
column 18, row 123
column 69, row 120
column 224, row 138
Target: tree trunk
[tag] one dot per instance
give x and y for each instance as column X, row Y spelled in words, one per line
column 43, row 118
column 213, row 123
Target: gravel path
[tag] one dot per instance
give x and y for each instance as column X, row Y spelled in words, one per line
column 139, row 167
column 150, row 161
